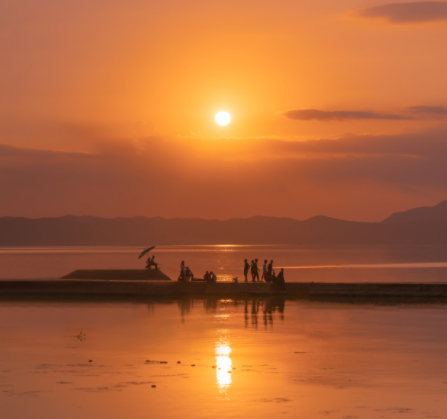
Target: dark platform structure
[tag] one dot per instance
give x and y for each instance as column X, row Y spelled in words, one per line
column 153, row 289
column 119, row 274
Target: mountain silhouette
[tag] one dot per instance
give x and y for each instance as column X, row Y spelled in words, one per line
column 420, row 215
column 419, row 225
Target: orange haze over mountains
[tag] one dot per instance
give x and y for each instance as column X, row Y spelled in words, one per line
column 107, row 108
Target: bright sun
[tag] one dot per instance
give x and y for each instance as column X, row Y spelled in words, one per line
column 222, row 118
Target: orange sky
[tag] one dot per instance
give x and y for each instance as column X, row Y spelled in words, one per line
column 107, row 107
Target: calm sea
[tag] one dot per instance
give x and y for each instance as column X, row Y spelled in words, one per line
column 225, row 358
column 256, row 358
column 398, row 263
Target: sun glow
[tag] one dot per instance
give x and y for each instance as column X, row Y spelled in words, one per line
column 222, row 118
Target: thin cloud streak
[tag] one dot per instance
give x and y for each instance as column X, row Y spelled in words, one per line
column 404, row 13
column 427, row 110
column 419, row 112
column 319, row 115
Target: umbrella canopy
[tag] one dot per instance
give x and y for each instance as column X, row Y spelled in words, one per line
column 145, row 251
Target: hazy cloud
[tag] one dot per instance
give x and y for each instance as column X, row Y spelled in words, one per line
column 416, row 112
column 7, row 150
column 197, row 177
column 417, row 12
column 319, row 115
column 427, row 110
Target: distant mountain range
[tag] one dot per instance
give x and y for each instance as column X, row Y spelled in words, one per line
column 420, row 215
column 418, row 225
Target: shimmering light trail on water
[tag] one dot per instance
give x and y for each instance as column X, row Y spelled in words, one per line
column 223, row 363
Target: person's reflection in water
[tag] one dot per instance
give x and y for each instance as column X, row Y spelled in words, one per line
column 269, row 306
column 210, row 304
column 281, row 307
column 185, row 305
column 254, row 312
column 268, row 315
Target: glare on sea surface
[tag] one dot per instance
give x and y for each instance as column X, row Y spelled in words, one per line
column 222, row 118
column 223, row 365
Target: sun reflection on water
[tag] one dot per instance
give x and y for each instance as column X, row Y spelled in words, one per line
column 223, row 364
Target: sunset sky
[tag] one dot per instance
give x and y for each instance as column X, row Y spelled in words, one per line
column 107, row 107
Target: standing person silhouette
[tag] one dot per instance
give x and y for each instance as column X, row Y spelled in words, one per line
column 246, row 269
column 182, row 270
column 252, row 268
column 256, row 270
column 270, row 268
column 264, row 271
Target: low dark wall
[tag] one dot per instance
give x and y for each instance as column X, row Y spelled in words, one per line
column 176, row 289
column 379, row 289
column 137, row 288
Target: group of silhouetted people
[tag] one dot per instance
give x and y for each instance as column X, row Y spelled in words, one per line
column 151, row 262
column 186, row 274
column 268, row 274
column 210, row 277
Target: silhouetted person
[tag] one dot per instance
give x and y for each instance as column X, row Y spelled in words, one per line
column 246, row 269
column 256, row 270
column 252, row 268
column 213, row 277
column 182, row 271
column 280, row 280
column 189, row 274
column 270, row 268
column 269, row 278
column 207, row 277
column 264, row 271
column 151, row 262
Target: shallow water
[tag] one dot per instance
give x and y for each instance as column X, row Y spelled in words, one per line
column 277, row 358
column 397, row 263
